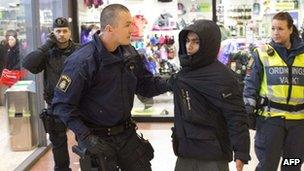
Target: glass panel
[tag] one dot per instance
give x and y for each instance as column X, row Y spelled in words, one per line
column 18, row 137
column 48, row 10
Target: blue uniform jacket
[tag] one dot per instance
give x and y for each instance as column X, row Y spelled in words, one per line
column 253, row 81
column 97, row 88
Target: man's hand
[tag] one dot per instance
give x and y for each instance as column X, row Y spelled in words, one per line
column 49, row 43
column 95, row 145
column 239, row 165
column 170, row 81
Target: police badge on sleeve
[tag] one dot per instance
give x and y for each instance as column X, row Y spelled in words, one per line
column 64, row 83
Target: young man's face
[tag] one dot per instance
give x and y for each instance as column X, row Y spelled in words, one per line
column 62, row 34
column 123, row 29
column 192, row 43
column 280, row 31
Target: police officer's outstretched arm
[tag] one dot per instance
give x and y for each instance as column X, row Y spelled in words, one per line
column 147, row 84
column 35, row 61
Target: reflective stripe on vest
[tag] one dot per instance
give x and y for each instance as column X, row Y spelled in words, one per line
column 275, row 83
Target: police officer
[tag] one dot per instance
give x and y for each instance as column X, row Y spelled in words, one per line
column 275, row 92
column 50, row 58
column 94, row 95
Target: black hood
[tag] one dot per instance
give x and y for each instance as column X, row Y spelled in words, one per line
column 210, row 42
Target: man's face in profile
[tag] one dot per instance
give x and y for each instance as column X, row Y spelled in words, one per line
column 192, row 43
column 123, row 28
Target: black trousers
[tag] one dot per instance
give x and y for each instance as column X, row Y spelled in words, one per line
column 58, row 138
column 187, row 164
column 276, row 138
column 132, row 152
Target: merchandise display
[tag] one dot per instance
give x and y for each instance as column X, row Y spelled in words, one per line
column 91, row 3
column 164, row 22
column 242, row 24
column 139, row 23
column 236, row 55
column 159, row 51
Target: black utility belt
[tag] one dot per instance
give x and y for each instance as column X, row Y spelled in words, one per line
column 286, row 107
column 108, row 131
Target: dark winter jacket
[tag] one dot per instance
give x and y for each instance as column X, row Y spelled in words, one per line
column 210, row 120
column 253, row 81
column 3, row 53
column 13, row 58
column 51, row 62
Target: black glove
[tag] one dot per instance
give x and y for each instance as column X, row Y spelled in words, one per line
column 171, row 81
column 96, row 146
column 49, row 43
column 251, row 116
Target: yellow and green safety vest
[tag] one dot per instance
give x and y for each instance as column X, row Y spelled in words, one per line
column 282, row 84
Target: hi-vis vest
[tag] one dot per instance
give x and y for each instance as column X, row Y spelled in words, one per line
column 282, row 84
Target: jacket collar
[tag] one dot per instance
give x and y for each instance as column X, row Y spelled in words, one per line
column 107, row 58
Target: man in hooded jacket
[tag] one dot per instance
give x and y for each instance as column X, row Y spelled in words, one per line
column 210, row 119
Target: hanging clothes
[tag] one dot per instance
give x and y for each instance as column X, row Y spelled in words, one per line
column 139, row 23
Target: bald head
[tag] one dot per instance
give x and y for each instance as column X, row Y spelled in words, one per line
column 110, row 13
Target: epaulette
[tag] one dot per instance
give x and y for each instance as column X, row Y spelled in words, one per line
column 267, row 48
column 263, row 47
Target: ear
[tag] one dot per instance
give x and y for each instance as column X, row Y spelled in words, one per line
column 291, row 30
column 108, row 28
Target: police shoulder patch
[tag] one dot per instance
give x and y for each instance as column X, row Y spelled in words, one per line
column 64, row 83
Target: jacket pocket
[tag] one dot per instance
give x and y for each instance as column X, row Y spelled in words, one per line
column 198, row 132
column 201, row 143
column 194, row 109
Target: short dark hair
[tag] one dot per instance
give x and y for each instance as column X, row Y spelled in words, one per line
column 11, row 33
column 110, row 13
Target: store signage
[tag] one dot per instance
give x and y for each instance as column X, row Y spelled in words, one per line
column 205, row 7
column 284, row 5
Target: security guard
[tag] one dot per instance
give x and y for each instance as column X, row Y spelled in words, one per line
column 50, row 58
column 275, row 89
column 94, row 95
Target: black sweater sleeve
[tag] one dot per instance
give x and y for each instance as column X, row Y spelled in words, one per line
column 35, row 61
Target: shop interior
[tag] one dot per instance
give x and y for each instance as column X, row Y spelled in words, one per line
column 244, row 24
column 155, row 38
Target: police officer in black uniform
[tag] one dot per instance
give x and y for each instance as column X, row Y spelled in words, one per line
column 50, row 58
column 94, row 95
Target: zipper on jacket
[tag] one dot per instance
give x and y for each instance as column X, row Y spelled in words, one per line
column 186, row 98
column 121, row 90
column 289, row 83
